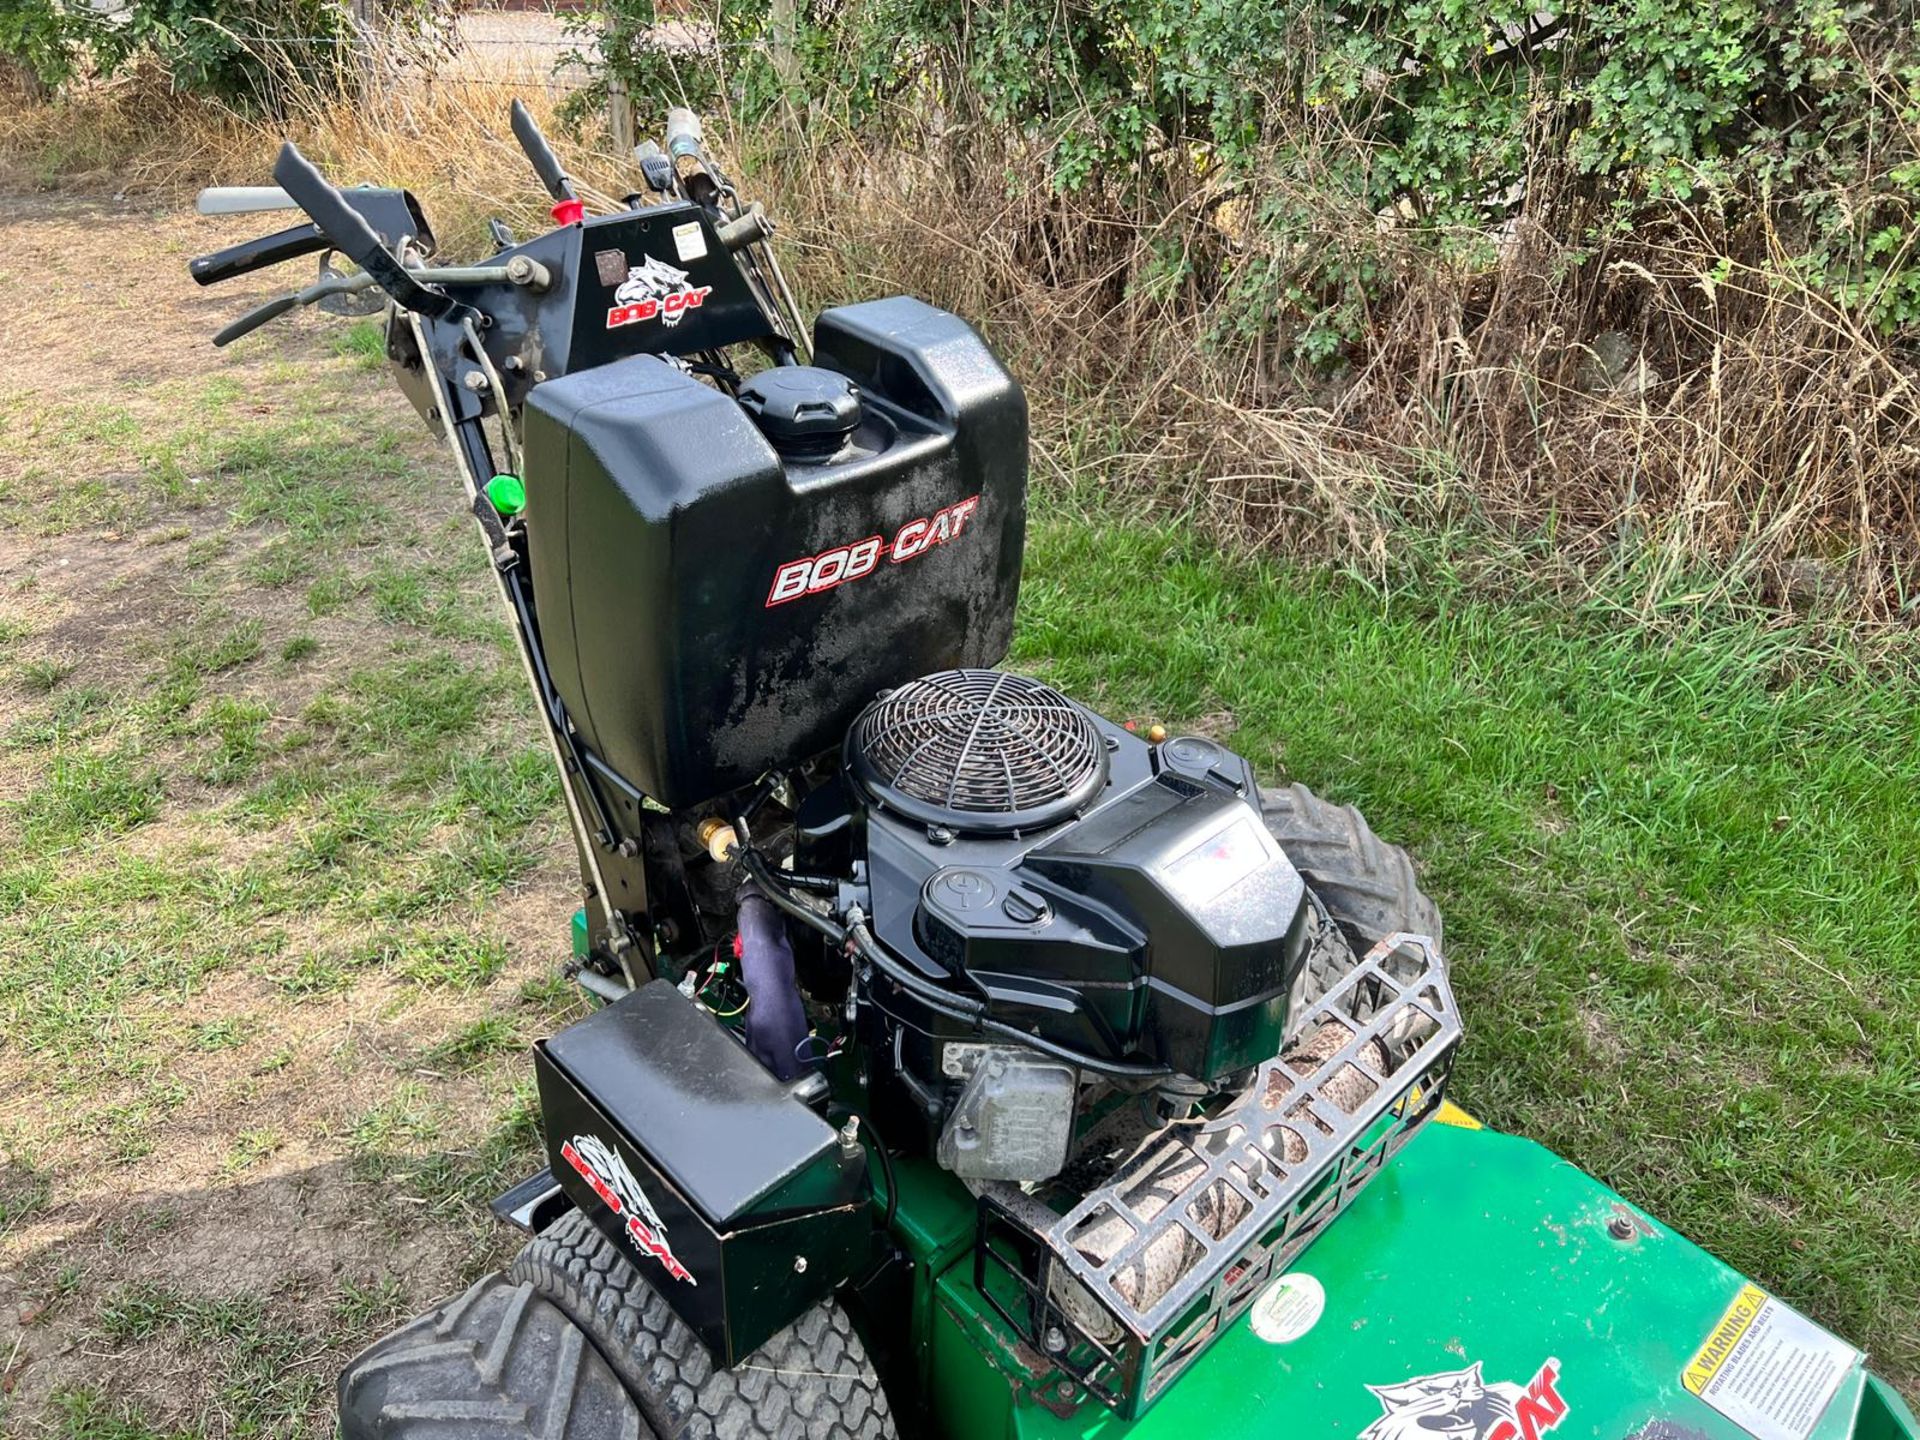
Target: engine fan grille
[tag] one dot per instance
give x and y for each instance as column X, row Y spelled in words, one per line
column 978, row 750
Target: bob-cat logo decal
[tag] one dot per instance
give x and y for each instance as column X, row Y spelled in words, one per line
column 655, row 290
column 602, row 1168
column 1459, row 1405
column 811, row 574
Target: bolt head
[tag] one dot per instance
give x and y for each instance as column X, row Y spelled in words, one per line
column 1055, row 1340
column 799, row 1264
column 1621, row 1227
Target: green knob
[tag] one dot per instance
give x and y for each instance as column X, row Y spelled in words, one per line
column 508, row 494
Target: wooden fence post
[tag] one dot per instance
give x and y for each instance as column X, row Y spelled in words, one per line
column 786, row 63
column 620, row 115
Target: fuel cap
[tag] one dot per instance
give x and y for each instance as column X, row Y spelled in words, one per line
column 805, row 411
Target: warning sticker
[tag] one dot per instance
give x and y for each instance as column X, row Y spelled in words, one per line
column 689, row 242
column 1768, row 1368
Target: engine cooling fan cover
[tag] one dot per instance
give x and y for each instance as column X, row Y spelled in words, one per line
column 982, row 751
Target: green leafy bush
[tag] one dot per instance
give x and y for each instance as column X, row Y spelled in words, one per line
column 49, row 40
column 1439, row 119
column 245, row 53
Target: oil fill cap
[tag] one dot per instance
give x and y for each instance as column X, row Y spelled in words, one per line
column 806, row 412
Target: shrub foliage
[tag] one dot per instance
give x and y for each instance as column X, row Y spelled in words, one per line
column 249, row 54
column 1440, row 118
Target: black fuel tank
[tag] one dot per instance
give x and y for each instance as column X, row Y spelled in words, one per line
column 711, row 606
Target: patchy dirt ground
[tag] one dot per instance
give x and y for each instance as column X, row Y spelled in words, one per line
column 282, row 890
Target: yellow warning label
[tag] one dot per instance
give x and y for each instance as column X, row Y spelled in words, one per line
column 1769, row 1369
column 1740, row 1316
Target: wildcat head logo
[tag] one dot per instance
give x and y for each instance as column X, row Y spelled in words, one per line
column 1459, row 1405
column 600, row 1165
column 655, row 290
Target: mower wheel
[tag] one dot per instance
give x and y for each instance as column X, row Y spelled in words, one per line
column 812, row 1381
column 498, row 1363
column 1367, row 885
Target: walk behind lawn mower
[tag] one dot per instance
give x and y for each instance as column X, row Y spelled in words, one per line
column 969, row 1064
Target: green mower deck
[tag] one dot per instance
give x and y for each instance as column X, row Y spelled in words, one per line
column 1481, row 1285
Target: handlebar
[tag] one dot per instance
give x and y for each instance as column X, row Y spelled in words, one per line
column 257, row 254
column 244, row 199
column 400, row 269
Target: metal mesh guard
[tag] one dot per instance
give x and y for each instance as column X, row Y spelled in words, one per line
column 979, row 748
column 1257, row 1182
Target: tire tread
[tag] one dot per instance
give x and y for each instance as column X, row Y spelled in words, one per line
column 497, row 1362
column 812, row 1381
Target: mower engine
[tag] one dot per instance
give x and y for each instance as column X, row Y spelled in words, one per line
column 1118, row 906
column 1068, row 963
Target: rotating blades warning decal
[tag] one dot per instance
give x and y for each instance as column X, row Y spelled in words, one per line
column 1768, row 1368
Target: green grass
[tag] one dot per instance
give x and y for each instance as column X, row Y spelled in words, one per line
column 257, row 827
column 363, row 342
column 263, row 1383
column 90, row 795
column 1680, row 872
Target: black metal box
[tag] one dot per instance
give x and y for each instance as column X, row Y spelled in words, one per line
column 741, row 1206
column 710, row 608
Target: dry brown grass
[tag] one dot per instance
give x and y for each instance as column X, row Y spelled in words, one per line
column 1675, row 410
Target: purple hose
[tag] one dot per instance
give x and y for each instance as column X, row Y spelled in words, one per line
column 776, row 1022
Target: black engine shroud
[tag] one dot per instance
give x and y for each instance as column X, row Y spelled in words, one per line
column 1160, row 921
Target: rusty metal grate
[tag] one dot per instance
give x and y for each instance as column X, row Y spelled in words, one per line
column 1130, row 1284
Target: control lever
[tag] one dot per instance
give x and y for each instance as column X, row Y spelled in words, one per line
column 251, row 255
column 685, row 139
column 517, row 271
column 687, row 152
column 347, row 229
column 655, row 168
column 320, row 289
column 567, row 209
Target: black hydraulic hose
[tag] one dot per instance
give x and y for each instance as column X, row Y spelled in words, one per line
column 933, row 996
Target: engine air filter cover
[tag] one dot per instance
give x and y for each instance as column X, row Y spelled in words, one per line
column 982, row 751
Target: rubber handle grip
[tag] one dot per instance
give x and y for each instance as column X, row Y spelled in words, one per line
column 545, row 163
column 258, row 254
column 685, row 137
column 254, row 319
column 345, row 226
column 350, row 234
column 243, row 199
